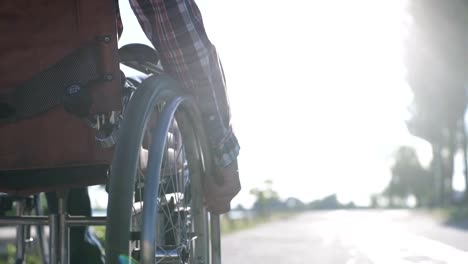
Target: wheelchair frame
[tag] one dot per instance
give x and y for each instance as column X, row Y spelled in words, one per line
column 60, row 223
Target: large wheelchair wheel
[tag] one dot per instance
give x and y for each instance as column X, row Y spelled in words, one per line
column 156, row 210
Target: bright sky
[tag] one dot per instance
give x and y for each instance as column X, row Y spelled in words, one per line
column 317, row 92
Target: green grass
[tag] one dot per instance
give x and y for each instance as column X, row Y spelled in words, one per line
column 449, row 213
column 100, row 232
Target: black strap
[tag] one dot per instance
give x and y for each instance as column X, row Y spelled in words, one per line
column 67, row 79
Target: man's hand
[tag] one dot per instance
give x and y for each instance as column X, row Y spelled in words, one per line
column 218, row 196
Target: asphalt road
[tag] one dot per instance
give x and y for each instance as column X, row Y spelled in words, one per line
column 350, row 237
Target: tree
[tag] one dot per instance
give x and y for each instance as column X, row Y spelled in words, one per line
column 436, row 69
column 267, row 199
column 408, row 178
column 329, row 202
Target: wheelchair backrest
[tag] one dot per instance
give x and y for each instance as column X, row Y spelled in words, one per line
column 58, row 66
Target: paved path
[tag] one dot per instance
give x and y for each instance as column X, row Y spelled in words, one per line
column 349, row 237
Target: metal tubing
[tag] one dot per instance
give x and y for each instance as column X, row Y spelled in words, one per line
column 41, row 237
column 215, row 239
column 44, row 220
column 20, row 235
column 59, row 226
column 54, row 226
column 24, row 220
column 85, row 221
column 64, row 231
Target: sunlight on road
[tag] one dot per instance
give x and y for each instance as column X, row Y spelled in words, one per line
column 349, row 237
column 384, row 240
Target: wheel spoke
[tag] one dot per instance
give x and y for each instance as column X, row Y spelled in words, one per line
column 175, row 223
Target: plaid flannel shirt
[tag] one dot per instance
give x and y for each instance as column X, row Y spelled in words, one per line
column 176, row 30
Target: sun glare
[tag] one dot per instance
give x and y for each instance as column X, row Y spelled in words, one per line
column 317, row 91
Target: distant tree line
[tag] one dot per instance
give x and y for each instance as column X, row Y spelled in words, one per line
column 268, row 201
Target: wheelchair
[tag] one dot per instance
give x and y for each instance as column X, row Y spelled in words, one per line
column 69, row 118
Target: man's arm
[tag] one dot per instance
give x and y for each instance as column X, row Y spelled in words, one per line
column 176, row 30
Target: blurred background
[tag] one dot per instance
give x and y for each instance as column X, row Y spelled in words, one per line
column 351, row 119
